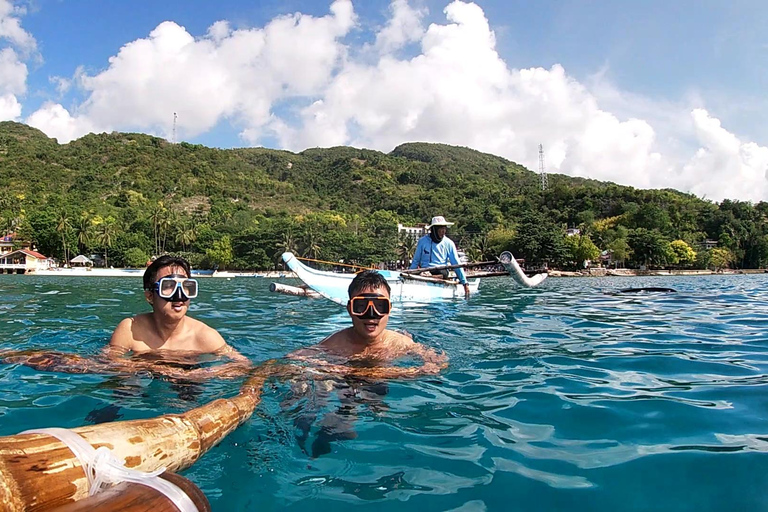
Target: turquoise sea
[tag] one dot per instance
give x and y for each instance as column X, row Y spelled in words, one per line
column 565, row 397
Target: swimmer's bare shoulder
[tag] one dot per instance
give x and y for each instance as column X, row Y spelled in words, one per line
column 336, row 343
column 127, row 331
column 207, row 339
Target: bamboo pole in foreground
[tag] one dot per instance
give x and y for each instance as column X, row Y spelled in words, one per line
column 39, row 472
column 131, row 497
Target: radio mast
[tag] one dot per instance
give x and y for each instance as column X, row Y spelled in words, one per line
column 173, row 137
column 542, row 171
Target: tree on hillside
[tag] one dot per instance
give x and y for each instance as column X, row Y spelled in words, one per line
column 539, row 240
column 63, row 226
column 720, row 258
column 312, row 244
column 582, row 249
column 497, row 241
column 682, row 254
column 84, row 232
column 221, row 254
column 405, row 249
column 620, row 251
column 157, row 216
column 649, row 247
column 186, row 234
column 105, row 236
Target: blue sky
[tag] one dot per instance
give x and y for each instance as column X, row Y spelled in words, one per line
column 651, row 94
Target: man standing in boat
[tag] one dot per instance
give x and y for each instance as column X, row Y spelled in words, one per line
column 437, row 250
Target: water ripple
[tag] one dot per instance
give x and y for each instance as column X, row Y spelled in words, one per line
column 571, row 396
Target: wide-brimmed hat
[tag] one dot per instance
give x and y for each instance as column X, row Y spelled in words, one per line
column 439, row 221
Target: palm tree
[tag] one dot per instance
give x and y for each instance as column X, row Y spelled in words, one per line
column 156, row 216
column 170, row 219
column 312, row 242
column 63, row 225
column 406, row 248
column 185, row 235
column 84, row 231
column 478, row 249
column 105, row 236
column 288, row 243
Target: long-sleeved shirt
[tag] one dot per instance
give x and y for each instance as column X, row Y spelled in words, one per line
column 429, row 254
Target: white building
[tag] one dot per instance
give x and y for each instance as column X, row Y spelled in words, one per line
column 414, row 232
column 23, row 261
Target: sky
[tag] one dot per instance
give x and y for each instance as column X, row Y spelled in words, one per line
column 651, row 94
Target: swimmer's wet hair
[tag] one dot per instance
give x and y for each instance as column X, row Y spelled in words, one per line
column 370, row 280
column 150, row 275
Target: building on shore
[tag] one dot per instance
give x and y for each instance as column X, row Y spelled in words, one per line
column 23, row 261
column 414, row 232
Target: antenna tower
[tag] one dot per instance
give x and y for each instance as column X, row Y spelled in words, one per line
column 173, row 139
column 542, row 171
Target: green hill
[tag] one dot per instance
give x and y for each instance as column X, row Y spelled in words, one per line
column 135, row 195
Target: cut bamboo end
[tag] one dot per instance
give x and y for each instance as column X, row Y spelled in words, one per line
column 132, row 497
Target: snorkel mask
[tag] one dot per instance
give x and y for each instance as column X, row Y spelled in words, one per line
column 369, row 305
column 176, row 288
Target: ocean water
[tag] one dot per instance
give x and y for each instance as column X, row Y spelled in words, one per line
column 565, row 397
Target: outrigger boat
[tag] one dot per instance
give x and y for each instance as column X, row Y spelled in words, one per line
column 407, row 285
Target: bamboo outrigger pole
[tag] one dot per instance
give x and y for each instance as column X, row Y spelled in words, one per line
column 39, row 472
column 449, row 267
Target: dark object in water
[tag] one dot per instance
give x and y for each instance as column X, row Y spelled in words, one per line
column 649, row 289
column 106, row 414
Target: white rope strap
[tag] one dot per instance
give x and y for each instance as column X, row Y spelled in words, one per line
column 103, row 469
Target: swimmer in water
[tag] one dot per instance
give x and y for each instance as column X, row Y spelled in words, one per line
column 357, row 359
column 368, row 348
column 167, row 332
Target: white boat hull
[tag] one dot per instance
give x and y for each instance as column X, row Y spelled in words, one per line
column 334, row 286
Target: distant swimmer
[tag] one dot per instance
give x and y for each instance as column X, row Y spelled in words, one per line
column 167, row 330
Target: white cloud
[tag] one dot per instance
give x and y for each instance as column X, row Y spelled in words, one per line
column 55, row 121
column 10, row 28
column 403, row 27
column 62, row 84
column 235, row 74
column 295, row 79
column 10, row 108
column 13, row 71
column 724, row 166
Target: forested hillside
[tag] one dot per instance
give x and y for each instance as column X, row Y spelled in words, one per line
column 129, row 196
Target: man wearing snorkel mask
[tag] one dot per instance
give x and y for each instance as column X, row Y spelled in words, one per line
column 367, row 348
column 168, row 288
column 437, row 250
column 354, row 362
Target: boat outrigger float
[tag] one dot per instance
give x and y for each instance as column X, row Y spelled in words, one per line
column 47, row 469
column 408, row 285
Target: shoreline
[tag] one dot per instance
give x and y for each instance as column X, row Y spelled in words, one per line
column 280, row 274
column 132, row 272
column 628, row 272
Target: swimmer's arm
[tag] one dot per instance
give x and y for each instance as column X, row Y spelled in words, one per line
column 211, row 342
column 238, row 365
column 114, row 357
column 433, row 362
